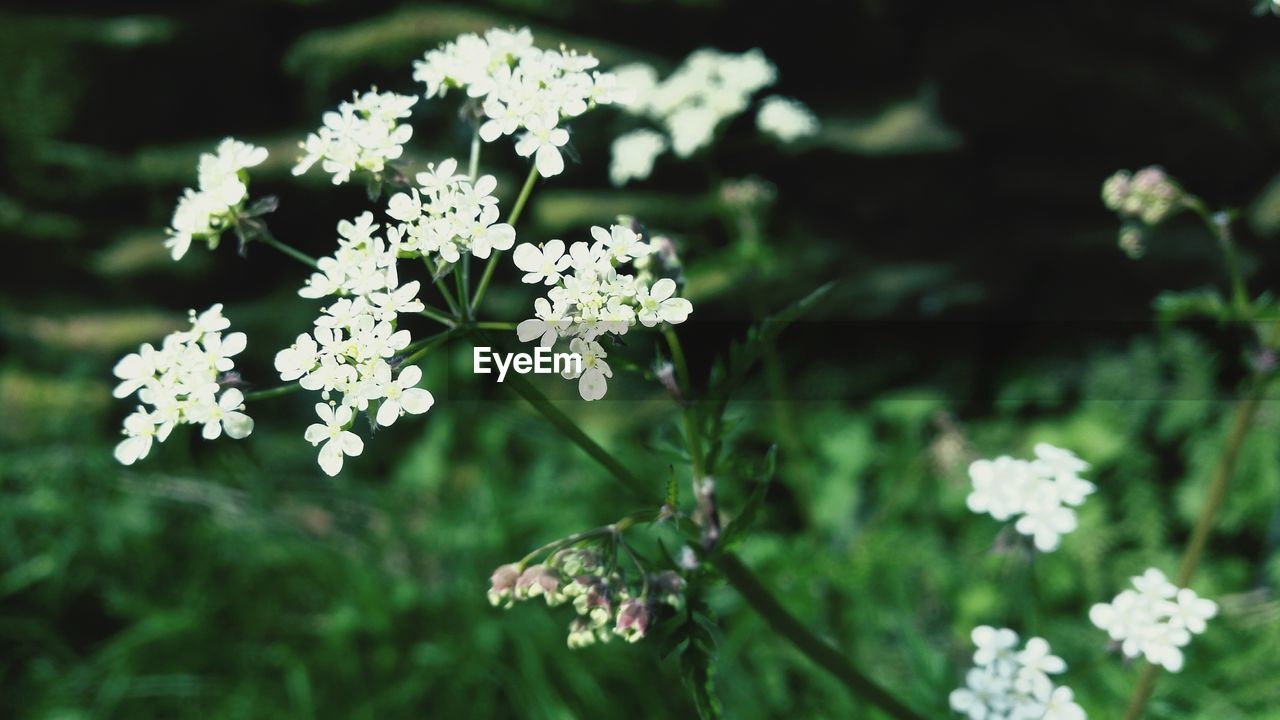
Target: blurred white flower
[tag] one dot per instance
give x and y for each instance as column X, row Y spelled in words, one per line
column 632, row 155
column 1037, row 493
column 1156, row 619
column 786, row 119
column 1011, row 684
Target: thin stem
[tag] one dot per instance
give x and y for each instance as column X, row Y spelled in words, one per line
column 473, row 166
column 756, row 595
column 448, row 297
column 432, row 343
column 295, row 254
column 815, row 648
column 438, row 316
column 463, row 278
column 272, row 392
column 494, row 325
column 516, row 210
column 692, row 436
column 1221, row 231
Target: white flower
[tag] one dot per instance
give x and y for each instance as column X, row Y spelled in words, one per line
column 180, row 381
column 1062, row 706
column 994, row 646
column 338, row 441
column 541, row 265
column 657, row 304
column 1035, row 493
column 205, row 213
column 593, row 380
column 544, row 139
column 226, row 415
column 1190, row 611
column 622, row 243
column 140, row 431
column 1146, row 622
column 361, row 135
column 1010, row 684
column 786, row 119
column 403, row 396
column 633, row 154
column 1046, row 520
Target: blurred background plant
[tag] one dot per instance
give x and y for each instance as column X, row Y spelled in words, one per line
column 981, row 306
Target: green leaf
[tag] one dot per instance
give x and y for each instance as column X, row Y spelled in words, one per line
column 1172, row 307
column 737, row 529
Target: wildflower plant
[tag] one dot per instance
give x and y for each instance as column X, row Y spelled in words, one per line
column 590, row 292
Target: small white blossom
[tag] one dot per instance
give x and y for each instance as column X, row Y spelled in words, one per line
column 402, row 395
column 589, row 297
column 180, row 383
column 633, row 154
column 205, row 213
column 786, row 119
column 362, row 134
column 1037, row 493
column 543, row 140
column 1156, row 619
column 332, row 431
column 1010, row 684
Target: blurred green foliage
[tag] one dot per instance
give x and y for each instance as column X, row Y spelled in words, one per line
column 981, row 307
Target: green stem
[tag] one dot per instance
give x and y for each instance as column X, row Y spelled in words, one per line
column 1194, row 551
column 815, row 648
column 494, row 325
column 295, row 254
column 1221, row 231
column 692, row 437
column 444, row 291
column 438, row 316
column 463, row 278
column 272, row 392
column 516, row 210
column 432, row 343
column 473, row 166
column 741, row 578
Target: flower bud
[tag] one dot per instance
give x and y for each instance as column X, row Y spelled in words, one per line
column 539, row 580
column 502, row 582
column 633, row 620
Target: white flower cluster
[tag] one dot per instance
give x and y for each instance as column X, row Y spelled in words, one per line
column 449, row 214
column 519, row 87
column 708, row 88
column 786, row 119
column 180, row 383
column 351, row 348
column 590, row 297
column 205, row 213
column 1041, row 492
column 1010, row 684
column 361, row 135
column 1155, row 619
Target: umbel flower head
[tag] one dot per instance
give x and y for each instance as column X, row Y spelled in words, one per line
column 707, row 89
column 1149, row 195
column 520, row 89
column 223, row 187
column 449, row 214
column 363, row 134
column 1040, row 493
column 1011, row 684
column 179, row 383
column 589, row 297
column 1155, row 619
column 608, row 604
